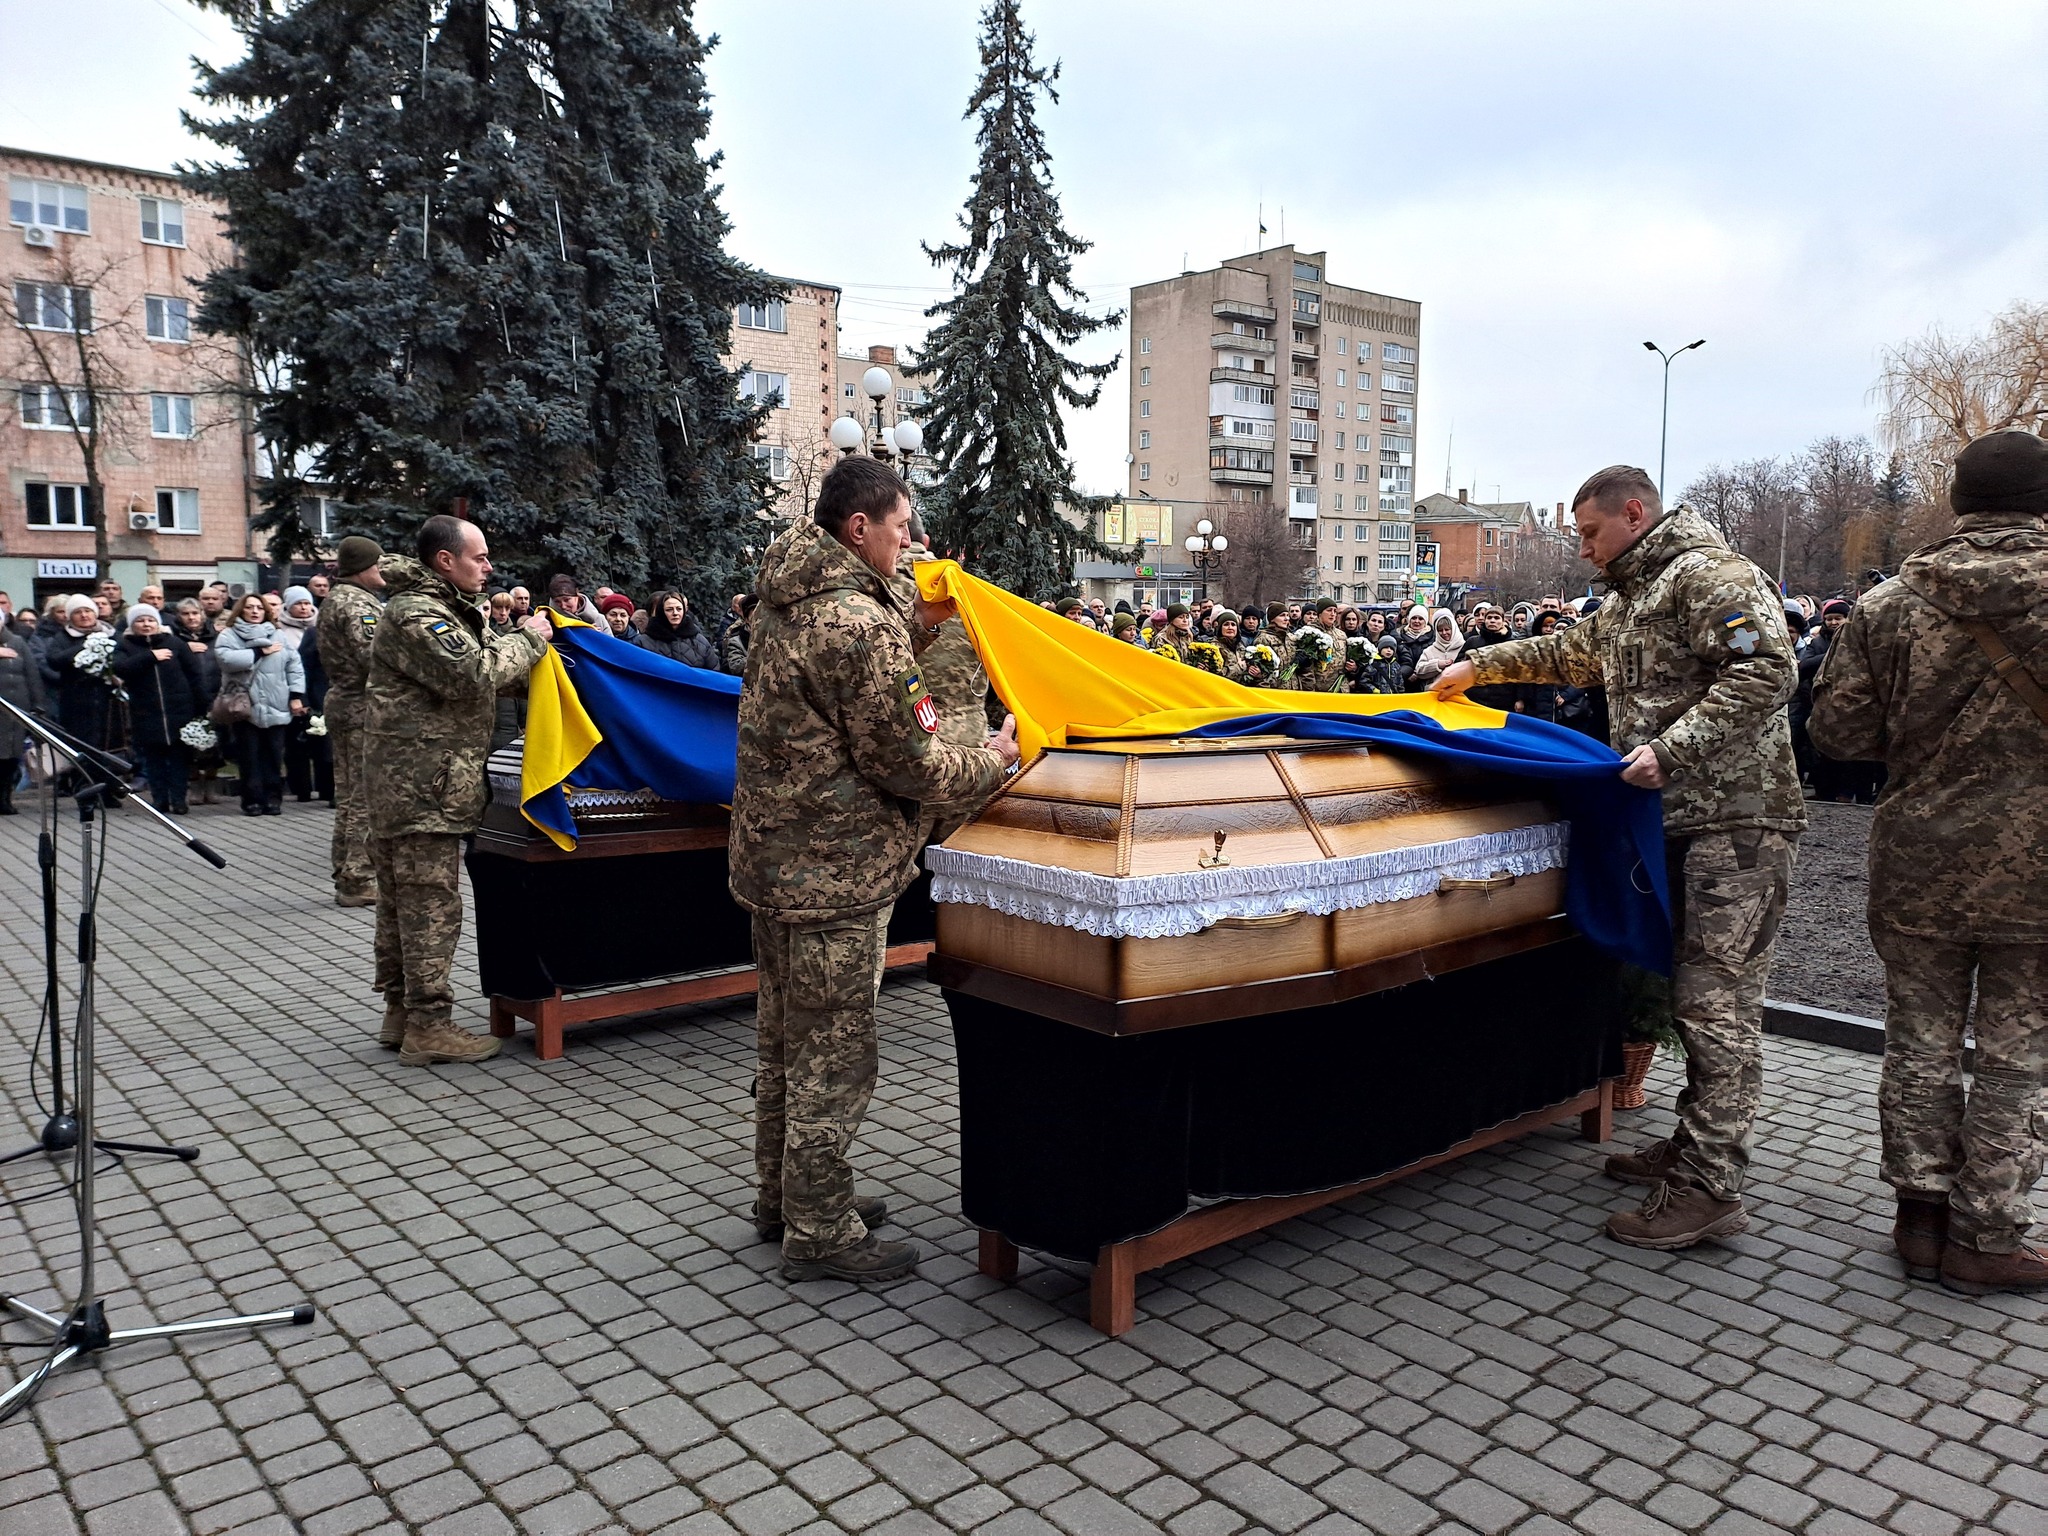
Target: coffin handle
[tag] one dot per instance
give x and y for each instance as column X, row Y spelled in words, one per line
column 1485, row 887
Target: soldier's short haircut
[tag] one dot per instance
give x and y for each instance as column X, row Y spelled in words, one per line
column 1615, row 484
column 440, row 532
column 857, row 484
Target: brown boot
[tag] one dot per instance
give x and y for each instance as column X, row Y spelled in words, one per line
column 355, row 895
column 1677, row 1216
column 392, row 1035
column 1645, row 1165
column 1919, row 1232
column 423, row 1047
column 866, row 1262
column 872, row 1210
column 1975, row 1273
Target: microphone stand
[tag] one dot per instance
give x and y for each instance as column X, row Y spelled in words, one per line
column 84, row 1328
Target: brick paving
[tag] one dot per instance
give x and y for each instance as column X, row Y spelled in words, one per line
column 539, row 1312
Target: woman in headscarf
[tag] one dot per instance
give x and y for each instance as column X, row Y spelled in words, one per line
column 84, row 701
column 1413, row 640
column 673, row 631
column 164, row 694
column 1446, row 648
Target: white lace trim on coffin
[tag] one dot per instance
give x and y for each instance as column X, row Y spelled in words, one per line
column 1165, row 906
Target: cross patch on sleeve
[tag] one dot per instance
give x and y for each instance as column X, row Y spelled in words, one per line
column 923, row 708
column 1739, row 629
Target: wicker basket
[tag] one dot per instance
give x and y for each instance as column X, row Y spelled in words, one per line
column 1636, row 1056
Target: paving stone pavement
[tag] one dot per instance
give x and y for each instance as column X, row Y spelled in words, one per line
column 539, row 1312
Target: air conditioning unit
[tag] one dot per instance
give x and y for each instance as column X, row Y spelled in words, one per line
column 39, row 235
column 142, row 522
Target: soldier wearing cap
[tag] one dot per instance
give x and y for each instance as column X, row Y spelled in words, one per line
column 347, row 626
column 1693, row 651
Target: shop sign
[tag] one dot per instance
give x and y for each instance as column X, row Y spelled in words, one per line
column 65, row 570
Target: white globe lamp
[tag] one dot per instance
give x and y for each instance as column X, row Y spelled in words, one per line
column 845, row 434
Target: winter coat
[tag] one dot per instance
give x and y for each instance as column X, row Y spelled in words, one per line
column 162, row 695
column 316, row 672
column 839, row 744
column 21, row 684
column 732, row 650
column 1959, row 839
column 206, row 661
column 689, row 644
column 346, row 627
column 85, row 704
column 273, row 680
column 1492, row 695
column 1408, row 649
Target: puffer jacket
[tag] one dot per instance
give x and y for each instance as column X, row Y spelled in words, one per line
column 274, row 680
column 689, row 644
column 21, row 684
column 162, row 695
column 1959, row 839
column 839, row 744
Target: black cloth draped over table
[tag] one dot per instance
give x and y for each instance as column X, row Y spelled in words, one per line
column 1071, row 1140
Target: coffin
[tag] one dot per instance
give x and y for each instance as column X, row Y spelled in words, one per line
column 1132, row 886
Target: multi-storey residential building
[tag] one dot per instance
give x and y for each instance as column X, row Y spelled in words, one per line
column 1262, row 380
column 786, row 349
column 102, row 269
column 906, row 399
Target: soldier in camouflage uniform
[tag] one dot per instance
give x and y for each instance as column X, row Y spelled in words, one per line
column 839, row 750
column 1179, row 634
column 435, row 674
column 1959, row 864
column 953, row 673
column 348, row 624
column 1693, row 651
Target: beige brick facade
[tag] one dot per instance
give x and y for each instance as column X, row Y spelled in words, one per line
column 790, row 349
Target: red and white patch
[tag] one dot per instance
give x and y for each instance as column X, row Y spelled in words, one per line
column 926, row 713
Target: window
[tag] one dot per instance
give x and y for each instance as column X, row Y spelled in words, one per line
column 170, row 415
column 1392, row 503
column 1336, row 562
column 771, row 316
column 1145, row 377
column 1144, row 471
column 1396, row 477
column 1340, row 353
column 1361, row 563
column 1145, row 345
column 1337, row 505
column 1252, row 394
column 846, row 390
column 1337, row 471
column 1397, row 384
column 1340, row 410
column 771, row 388
column 1145, row 439
column 774, row 458
column 1489, row 537
column 1397, row 442
column 1393, row 533
column 53, row 307
column 56, row 506
column 1399, row 415
column 177, row 511
column 1340, row 378
column 59, row 204
column 1394, row 562
column 50, row 409
column 323, row 516
column 1362, row 441
column 167, row 319
column 1308, row 272
column 1144, row 407
column 1337, row 532
column 1240, row 427
column 163, row 221
column 1301, row 431
column 1394, row 352
column 1304, row 399
column 1240, row 458
column 1390, row 591
column 1307, row 306
column 1339, row 444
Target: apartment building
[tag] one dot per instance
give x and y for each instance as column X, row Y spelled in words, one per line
column 102, row 271
column 1476, row 539
column 787, row 350
column 1262, row 380
column 905, row 399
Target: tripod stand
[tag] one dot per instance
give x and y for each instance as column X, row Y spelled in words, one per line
column 60, row 1128
column 84, row 1329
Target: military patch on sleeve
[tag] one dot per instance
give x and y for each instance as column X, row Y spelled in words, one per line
column 922, row 707
column 453, row 641
column 369, row 622
column 1740, row 630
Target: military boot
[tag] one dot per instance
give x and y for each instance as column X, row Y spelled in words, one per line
column 1677, row 1215
column 392, row 1035
column 1920, row 1232
column 355, row 895
column 866, row 1262
column 426, row 1045
column 1975, row 1273
column 1646, row 1165
column 872, row 1210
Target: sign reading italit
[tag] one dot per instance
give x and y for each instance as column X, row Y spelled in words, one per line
column 65, row 570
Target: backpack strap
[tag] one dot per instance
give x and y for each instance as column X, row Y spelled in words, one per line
column 2008, row 668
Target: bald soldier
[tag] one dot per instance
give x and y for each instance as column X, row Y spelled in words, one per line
column 1693, row 652
column 1941, row 673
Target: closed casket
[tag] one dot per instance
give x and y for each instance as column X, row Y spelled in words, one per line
column 1233, row 877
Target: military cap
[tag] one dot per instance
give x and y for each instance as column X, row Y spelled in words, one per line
column 356, row 555
column 2001, row 471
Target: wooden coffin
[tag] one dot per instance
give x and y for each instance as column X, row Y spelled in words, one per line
column 1140, row 885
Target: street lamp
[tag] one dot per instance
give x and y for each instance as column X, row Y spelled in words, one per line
column 845, row 434
column 1664, row 432
column 908, row 437
column 875, row 384
column 1205, row 546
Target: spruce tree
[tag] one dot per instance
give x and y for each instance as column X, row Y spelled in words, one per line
column 997, row 356
column 500, row 278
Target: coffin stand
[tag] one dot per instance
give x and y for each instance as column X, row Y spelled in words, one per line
column 1202, row 987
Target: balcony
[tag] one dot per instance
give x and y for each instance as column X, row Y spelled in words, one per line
column 1243, row 376
column 1244, row 309
column 1301, row 477
column 1241, row 476
column 1235, row 440
column 1303, row 349
column 1230, row 341
column 1309, row 317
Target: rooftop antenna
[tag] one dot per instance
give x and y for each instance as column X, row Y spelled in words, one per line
column 1450, row 438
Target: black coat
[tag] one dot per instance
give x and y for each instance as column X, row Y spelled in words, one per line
column 85, row 704
column 21, row 684
column 688, row 644
column 162, row 695
column 206, row 661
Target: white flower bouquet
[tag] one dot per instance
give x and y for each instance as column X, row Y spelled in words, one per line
column 316, row 725
column 198, row 735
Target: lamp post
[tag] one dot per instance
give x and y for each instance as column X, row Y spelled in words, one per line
column 876, row 384
column 1664, row 431
column 908, row 438
column 1205, row 546
column 845, row 434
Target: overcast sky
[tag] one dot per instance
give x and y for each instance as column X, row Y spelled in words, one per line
column 1802, row 185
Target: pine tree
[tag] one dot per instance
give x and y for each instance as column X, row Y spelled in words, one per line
column 499, row 278
column 997, row 355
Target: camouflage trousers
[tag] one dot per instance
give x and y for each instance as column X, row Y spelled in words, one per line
column 1982, row 1154
column 1728, row 892
column 419, row 918
column 815, row 1024
column 349, row 853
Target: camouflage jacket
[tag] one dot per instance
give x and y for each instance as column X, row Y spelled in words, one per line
column 1697, row 663
column 1322, row 677
column 839, row 742
column 348, row 625
column 435, row 673
column 952, row 670
column 1959, row 840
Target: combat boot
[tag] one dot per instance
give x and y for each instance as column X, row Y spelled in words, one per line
column 439, row 1042
column 1920, row 1232
column 866, row 1262
column 1652, row 1164
column 355, row 895
column 1975, row 1273
column 392, row 1035
column 1677, row 1215
column 872, row 1210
